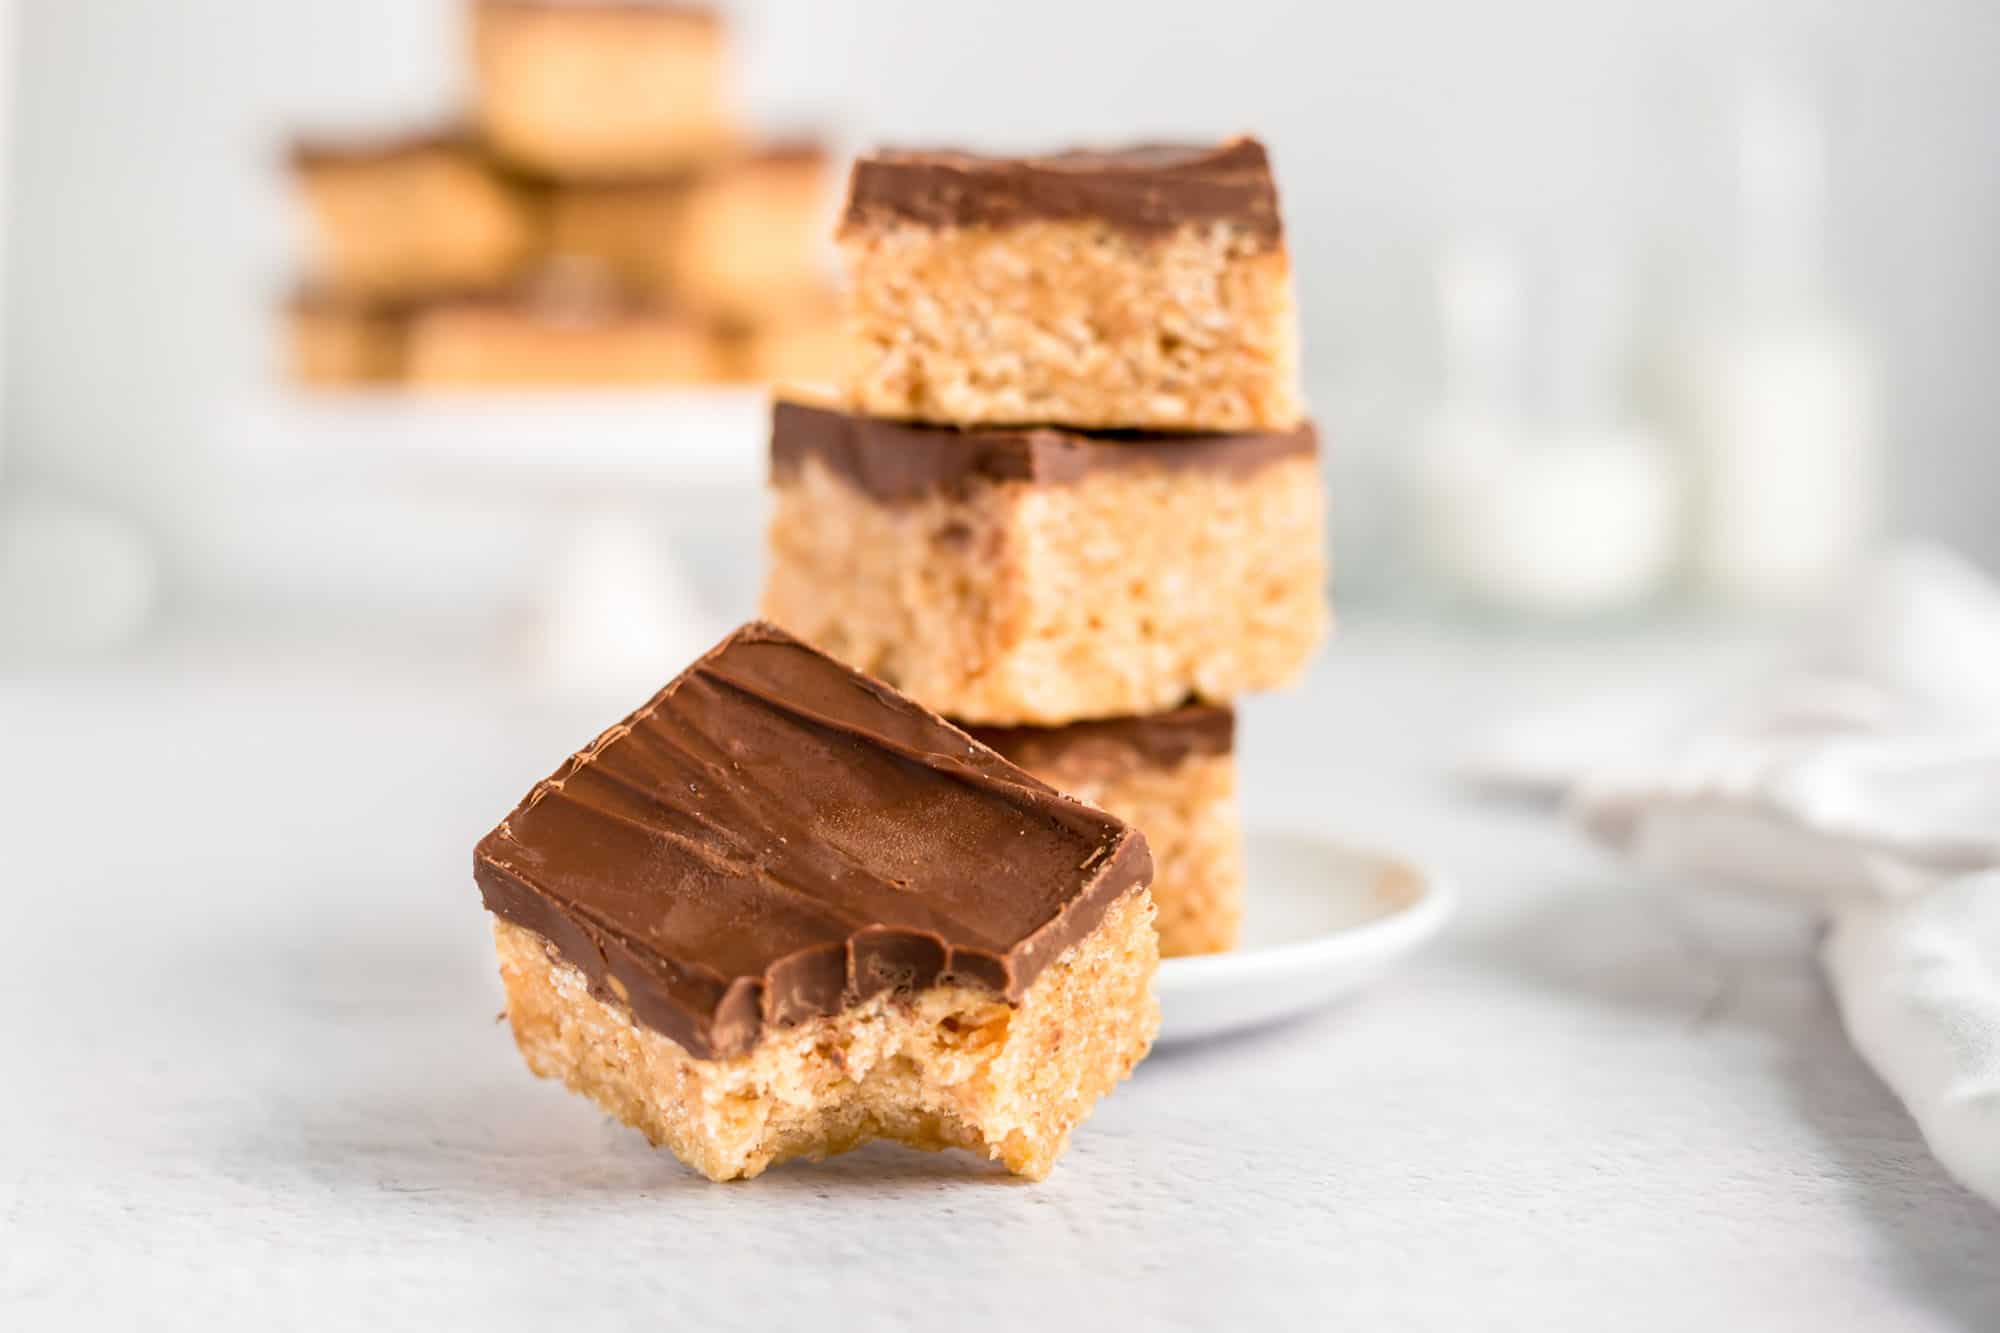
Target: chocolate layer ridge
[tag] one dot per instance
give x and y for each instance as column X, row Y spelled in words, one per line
column 773, row 837
column 900, row 461
column 313, row 150
column 318, row 298
column 566, row 312
column 568, row 292
column 1158, row 740
column 1145, row 188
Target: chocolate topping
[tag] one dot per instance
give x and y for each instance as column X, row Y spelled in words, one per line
column 314, row 150
column 898, row 461
column 786, row 152
column 673, row 181
column 774, row 837
column 1149, row 188
column 317, row 298
column 1117, row 744
column 564, row 292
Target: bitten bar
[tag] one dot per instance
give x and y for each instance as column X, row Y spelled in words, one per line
column 1042, row 576
column 1172, row 776
column 781, row 909
column 1146, row 289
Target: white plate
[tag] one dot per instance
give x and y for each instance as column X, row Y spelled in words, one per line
column 1320, row 921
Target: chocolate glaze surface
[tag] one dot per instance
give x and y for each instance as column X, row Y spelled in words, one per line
column 900, row 461
column 774, row 837
column 1118, row 744
column 1146, row 188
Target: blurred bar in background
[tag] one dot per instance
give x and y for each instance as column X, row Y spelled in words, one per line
column 599, row 216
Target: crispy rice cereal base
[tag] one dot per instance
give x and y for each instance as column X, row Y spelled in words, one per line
column 950, row 1067
column 1071, row 323
column 1124, row 592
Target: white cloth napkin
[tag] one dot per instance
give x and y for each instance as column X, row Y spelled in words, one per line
column 1919, row 988
column 1865, row 783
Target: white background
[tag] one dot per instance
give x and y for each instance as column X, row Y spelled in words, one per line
column 152, row 236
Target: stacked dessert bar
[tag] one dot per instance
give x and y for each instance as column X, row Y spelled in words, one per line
column 1067, row 496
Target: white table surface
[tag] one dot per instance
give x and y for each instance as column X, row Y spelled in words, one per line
column 252, row 1077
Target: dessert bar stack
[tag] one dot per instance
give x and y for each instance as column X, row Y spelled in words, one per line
column 1067, row 496
column 600, row 219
